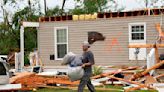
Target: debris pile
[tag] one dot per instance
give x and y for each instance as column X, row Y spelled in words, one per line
column 32, row 80
column 130, row 78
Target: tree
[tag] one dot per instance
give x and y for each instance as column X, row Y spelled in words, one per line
column 92, row 6
column 45, row 7
column 77, row 11
column 54, row 11
column 6, row 41
column 63, row 5
column 10, row 29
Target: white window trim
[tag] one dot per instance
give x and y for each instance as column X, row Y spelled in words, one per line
column 55, row 39
column 130, row 32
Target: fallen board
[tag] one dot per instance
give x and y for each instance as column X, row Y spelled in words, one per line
column 10, row 87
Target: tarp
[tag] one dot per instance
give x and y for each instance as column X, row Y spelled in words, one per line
column 75, row 71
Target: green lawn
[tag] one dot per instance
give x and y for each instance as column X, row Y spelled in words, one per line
column 115, row 89
column 69, row 90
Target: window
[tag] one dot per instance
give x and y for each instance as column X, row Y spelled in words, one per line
column 137, row 32
column 137, row 35
column 61, row 42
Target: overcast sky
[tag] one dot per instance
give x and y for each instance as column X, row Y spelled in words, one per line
column 129, row 4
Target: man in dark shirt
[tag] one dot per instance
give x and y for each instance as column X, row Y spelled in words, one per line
column 88, row 61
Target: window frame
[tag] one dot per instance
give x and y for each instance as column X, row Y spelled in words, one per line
column 130, row 32
column 56, row 43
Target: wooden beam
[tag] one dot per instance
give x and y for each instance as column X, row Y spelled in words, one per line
column 156, row 55
column 158, row 76
column 146, row 46
column 128, row 81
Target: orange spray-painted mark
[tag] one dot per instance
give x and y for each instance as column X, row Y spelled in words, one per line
column 113, row 43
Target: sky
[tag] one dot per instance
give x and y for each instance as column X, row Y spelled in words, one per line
column 129, row 4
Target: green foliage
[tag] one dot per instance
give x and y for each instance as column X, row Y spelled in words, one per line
column 26, row 60
column 97, row 70
column 92, row 6
column 10, row 32
column 54, row 11
column 77, row 11
column 30, row 39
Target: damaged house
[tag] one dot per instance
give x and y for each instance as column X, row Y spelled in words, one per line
column 108, row 33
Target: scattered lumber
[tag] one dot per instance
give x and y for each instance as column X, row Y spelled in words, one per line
column 114, row 72
column 131, row 82
column 102, row 75
column 147, row 70
column 128, row 81
column 33, row 80
column 20, row 75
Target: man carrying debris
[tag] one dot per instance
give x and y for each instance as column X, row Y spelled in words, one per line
column 88, row 61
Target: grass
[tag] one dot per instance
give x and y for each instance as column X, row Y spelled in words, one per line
column 71, row 90
column 67, row 90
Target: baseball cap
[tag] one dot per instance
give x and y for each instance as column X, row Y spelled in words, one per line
column 85, row 43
